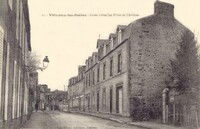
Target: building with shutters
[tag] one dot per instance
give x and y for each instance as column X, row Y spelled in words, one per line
column 128, row 73
column 14, row 47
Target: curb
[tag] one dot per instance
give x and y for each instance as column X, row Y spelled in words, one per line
column 111, row 119
column 140, row 126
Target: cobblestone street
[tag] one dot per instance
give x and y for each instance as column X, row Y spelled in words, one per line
column 60, row 120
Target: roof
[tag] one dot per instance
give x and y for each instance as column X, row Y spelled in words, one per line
column 112, row 35
column 101, row 42
column 94, row 53
column 120, row 27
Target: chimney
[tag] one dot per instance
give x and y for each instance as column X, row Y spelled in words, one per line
column 163, row 9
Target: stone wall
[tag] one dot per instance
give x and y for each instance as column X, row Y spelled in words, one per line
column 153, row 43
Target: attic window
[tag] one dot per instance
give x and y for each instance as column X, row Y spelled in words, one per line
column 94, row 60
column 111, row 43
column 119, row 36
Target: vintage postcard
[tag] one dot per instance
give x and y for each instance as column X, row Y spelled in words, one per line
column 99, row 64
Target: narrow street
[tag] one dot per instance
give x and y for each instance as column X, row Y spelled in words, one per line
column 60, row 120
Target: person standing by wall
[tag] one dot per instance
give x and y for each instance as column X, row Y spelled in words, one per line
column 36, row 107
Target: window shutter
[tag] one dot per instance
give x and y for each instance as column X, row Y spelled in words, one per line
column 1, row 56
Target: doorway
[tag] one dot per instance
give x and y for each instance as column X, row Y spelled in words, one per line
column 111, row 94
column 119, row 100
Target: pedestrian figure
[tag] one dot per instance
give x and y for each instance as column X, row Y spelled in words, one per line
column 53, row 103
column 36, row 107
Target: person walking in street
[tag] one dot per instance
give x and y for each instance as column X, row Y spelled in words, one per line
column 36, row 107
column 53, row 103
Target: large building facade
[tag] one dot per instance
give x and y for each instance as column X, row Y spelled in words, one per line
column 14, row 47
column 129, row 72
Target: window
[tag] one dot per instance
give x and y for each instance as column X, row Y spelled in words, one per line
column 104, row 50
column 94, row 59
column 1, row 54
column 17, row 19
column 119, row 36
column 93, row 78
column 119, row 62
column 104, row 70
column 107, row 49
column 89, row 79
column 14, row 91
column 93, row 98
column 111, row 43
column 86, row 81
column 98, row 74
column 91, row 62
column 111, row 67
column 104, row 97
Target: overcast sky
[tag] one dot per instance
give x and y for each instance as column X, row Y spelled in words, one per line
column 68, row 41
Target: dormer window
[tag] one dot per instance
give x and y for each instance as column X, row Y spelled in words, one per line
column 111, row 43
column 104, row 50
column 119, row 36
column 91, row 62
column 94, row 60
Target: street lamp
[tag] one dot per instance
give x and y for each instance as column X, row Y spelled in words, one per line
column 45, row 62
column 29, row 68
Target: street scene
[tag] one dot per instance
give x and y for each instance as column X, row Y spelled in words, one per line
column 60, row 120
column 99, row 64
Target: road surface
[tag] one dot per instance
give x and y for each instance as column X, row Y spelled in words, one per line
column 60, row 120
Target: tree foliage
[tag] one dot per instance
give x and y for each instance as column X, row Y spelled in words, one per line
column 33, row 62
column 186, row 66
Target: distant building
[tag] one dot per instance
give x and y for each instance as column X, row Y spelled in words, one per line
column 56, row 98
column 43, row 90
column 76, row 91
column 33, row 83
column 127, row 75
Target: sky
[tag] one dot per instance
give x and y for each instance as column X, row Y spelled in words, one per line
column 68, row 40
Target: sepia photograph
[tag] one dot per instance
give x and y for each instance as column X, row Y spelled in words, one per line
column 99, row 64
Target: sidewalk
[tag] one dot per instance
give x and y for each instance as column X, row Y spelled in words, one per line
column 39, row 120
column 128, row 121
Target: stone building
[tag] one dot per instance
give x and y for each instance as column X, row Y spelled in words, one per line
column 42, row 92
column 14, row 48
column 76, row 90
column 130, row 70
column 33, row 83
